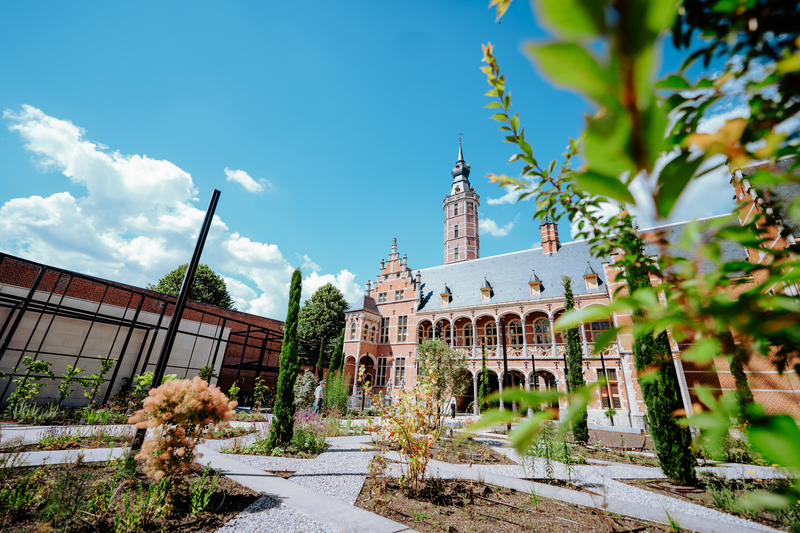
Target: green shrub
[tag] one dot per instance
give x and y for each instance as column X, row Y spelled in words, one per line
column 304, row 390
column 336, row 392
column 28, row 385
column 30, row 413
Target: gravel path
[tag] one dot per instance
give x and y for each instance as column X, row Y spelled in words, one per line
column 267, row 514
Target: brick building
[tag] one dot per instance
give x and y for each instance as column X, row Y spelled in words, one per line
column 469, row 300
column 68, row 318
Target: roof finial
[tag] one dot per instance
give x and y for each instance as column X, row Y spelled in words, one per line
column 394, row 245
column 460, row 151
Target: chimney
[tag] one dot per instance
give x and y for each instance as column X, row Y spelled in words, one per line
column 549, row 233
column 369, row 287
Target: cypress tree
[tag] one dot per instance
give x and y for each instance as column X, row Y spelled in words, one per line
column 660, row 391
column 321, row 360
column 483, row 380
column 337, row 356
column 283, row 421
column 580, row 426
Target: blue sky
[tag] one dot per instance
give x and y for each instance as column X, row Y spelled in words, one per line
column 329, row 127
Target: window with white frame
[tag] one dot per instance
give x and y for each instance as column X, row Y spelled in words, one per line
column 455, row 254
column 400, row 372
column 402, row 328
column 455, row 209
column 384, row 337
column 541, row 331
column 380, row 374
column 490, row 334
column 596, row 329
column 353, row 331
column 455, row 232
column 613, row 385
column 382, row 297
column 468, row 335
column 515, row 332
column 372, row 334
column 398, row 295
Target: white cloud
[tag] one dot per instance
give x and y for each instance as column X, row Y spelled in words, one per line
column 308, row 264
column 344, row 281
column 243, row 178
column 487, row 225
column 511, row 196
column 136, row 221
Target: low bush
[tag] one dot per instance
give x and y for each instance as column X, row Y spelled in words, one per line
column 336, row 393
column 310, row 431
column 30, row 413
column 182, row 413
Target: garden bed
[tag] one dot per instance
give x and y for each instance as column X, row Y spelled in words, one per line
column 617, row 455
column 465, row 451
column 94, row 496
column 724, row 496
column 455, row 506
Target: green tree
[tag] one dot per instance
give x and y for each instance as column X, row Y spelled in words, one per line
column 321, row 320
column 321, row 361
column 575, row 381
column 659, row 382
column 337, row 356
column 282, row 428
column 208, row 286
column 448, row 367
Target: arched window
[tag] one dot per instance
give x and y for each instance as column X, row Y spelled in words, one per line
column 372, row 334
column 445, row 333
column 468, row 335
column 491, row 334
column 365, row 333
column 353, row 331
column 541, row 331
column 515, row 332
column 597, row 329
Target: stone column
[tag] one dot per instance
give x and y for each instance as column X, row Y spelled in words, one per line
column 475, row 405
column 355, row 376
column 500, row 385
column 474, row 338
column 553, row 338
column 524, row 340
column 585, row 342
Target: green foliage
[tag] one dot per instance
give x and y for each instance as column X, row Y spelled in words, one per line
column 233, row 391
column 607, row 52
column 140, row 506
column 320, row 320
column 91, row 384
column 260, row 392
column 304, row 390
column 202, row 488
column 66, row 380
column 337, row 356
column 321, row 361
column 206, row 373
column 30, row 413
column 744, row 396
column 25, row 494
column 207, row 287
column 28, row 385
column 69, row 497
column 337, row 390
column 283, row 421
column 93, row 416
column 575, row 381
column 444, row 366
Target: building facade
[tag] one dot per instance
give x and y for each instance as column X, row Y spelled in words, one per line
column 470, row 301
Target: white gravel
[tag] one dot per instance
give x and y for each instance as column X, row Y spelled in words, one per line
column 267, row 514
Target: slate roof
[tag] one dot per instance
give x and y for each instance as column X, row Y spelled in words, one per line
column 509, row 275
column 365, row 303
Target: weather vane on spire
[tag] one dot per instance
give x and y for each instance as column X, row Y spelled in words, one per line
column 459, row 137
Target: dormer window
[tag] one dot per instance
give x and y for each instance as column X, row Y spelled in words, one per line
column 446, row 295
column 486, row 291
column 535, row 284
column 591, row 277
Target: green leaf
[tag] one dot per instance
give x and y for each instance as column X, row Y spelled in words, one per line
column 572, row 20
column 794, row 209
column 778, row 438
column 673, row 82
column 672, row 181
column 523, row 435
column 702, row 352
column 725, row 6
column 515, row 122
column 493, row 417
column 766, row 178
column 493, row 105
column 576, row 317
column 790, row 64
column 571, row 65
column 598, row 184
column 606, row 338
column 501, row 117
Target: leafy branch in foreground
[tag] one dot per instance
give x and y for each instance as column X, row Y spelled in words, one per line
column 722, row 307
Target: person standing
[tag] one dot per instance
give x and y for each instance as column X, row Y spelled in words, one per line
column 318, row 397
column 453, row 407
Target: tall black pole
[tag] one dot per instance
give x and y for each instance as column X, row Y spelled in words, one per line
column 177, row 312
column 505, row 359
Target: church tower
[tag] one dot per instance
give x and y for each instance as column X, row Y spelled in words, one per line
column 461, row 239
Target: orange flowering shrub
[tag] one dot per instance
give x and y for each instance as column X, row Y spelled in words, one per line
column 411, row 423
column 181, row 413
